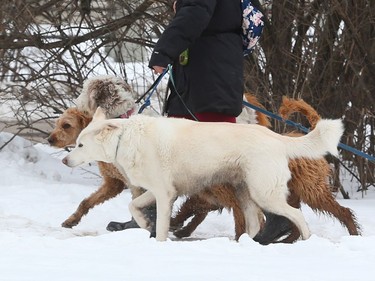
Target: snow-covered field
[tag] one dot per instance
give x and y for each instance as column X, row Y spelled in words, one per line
column 37, row 193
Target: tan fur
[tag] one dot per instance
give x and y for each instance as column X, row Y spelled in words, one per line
column 309, row 184
column 262, row 118
column 68, row 126
column 290, row 106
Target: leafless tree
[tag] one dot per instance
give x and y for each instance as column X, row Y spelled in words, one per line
column 48, row 48
column 323, row 52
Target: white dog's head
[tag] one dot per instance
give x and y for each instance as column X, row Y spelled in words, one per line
column 97, row 142
column 111, row 93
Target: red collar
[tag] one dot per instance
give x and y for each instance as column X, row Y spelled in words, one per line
column 127, row 114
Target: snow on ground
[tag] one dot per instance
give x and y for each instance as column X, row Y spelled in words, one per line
column 37, row 193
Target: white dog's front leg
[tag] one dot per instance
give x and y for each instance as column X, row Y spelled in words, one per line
column 136, row 206
column 164, row 204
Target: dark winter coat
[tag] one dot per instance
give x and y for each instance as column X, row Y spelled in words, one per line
column 212, row 80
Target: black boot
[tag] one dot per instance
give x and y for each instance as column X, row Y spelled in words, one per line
column 275, row 227
column 117, row 226
column 150, row 213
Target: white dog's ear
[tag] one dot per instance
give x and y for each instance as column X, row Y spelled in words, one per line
column 99, row 115
column 106, row 132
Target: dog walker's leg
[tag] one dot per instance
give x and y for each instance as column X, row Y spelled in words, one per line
column 118, row 226
column 149, row 212
column 275, row 227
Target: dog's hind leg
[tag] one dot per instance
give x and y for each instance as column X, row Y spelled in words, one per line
column 110, row 188
column 236, row 199
column 187, row 230
column 239, row 222
column 322, row 200
column 196, row 206
column 187, row 210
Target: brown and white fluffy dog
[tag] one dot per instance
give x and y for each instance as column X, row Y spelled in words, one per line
column 309, row 184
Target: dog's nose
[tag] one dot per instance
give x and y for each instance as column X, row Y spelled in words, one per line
column 65, row 161
column 50, row 140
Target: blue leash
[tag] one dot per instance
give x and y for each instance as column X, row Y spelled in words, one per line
column 304, row 129
column 150, row 91
column 153, row 87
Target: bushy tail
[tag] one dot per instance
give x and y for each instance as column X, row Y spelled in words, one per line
column 289, row 106
column 320, row 141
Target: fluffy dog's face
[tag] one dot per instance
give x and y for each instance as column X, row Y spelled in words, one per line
column 97, row 142
column 68, row 126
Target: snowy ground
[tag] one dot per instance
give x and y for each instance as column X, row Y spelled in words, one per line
column 37, row 193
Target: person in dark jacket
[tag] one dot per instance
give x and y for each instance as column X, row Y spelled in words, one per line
column 203, row 43
column 209, row 78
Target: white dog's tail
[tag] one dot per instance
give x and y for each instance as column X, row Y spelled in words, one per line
column 320, row 141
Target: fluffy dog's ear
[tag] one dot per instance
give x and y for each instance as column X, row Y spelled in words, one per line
column 106, row 132
column 99, row 114
column 83, row 119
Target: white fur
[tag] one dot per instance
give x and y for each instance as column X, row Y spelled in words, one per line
column 169, row 157
column 247, row 116
column 119, row 90
column 116, row 97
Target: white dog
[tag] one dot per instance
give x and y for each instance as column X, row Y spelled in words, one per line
column 170, row 157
